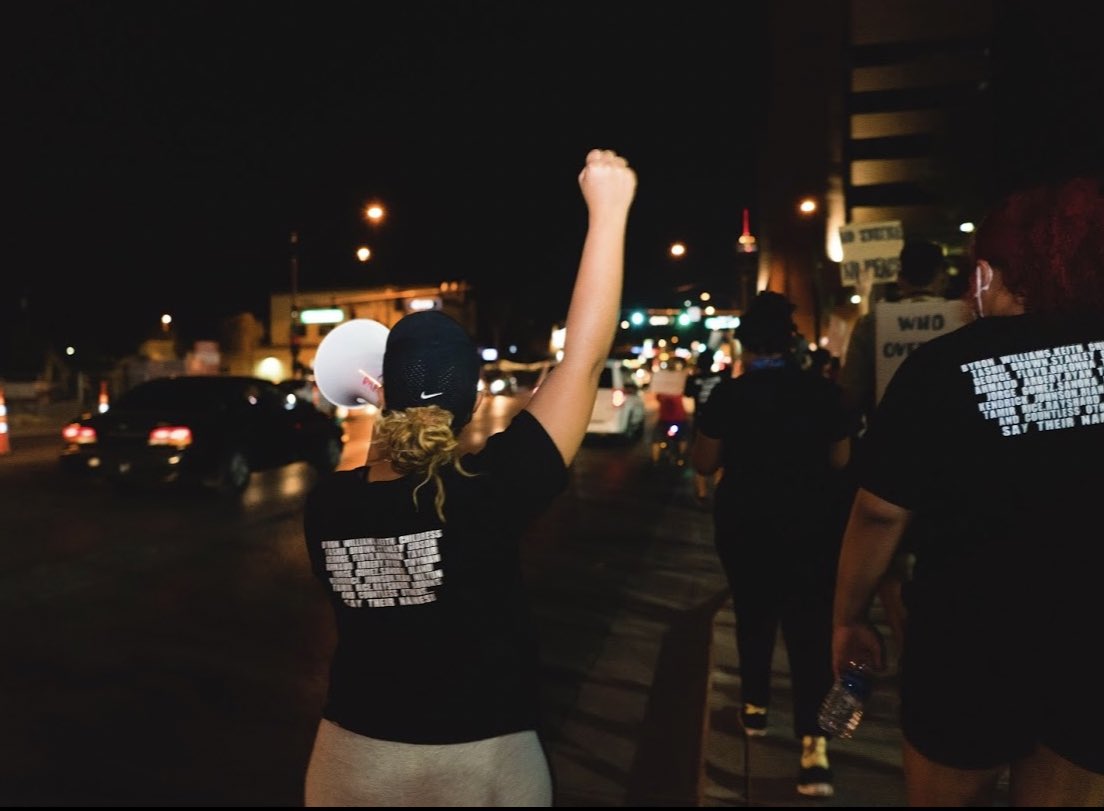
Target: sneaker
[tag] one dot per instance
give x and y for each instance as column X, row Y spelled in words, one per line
column 815, row 777
column 754, row 720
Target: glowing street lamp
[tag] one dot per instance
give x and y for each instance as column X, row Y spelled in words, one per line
column 374, row 213
column 363, row 253
column 677, row 250
column 807, row 206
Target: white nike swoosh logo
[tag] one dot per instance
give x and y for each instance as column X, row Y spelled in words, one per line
column 425, row 396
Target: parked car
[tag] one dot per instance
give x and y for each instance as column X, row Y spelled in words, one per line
column 618, row 407
column 213, row 431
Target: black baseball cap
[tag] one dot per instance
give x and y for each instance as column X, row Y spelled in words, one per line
column 430, row 360
column 767, row 325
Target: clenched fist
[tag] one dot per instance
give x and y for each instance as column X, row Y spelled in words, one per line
column 607, row 182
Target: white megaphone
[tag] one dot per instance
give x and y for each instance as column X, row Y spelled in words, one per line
column 348, row 365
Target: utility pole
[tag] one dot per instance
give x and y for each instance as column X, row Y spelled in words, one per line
column 293, row 341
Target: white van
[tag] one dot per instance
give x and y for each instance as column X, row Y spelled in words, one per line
column 618, row 407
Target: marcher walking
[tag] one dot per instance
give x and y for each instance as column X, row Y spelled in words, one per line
column 974, row 450
column 781, row 436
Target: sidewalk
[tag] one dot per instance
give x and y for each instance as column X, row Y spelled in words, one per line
column 867, row 767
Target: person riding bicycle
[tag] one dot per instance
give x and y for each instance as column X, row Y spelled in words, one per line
column 672, row 427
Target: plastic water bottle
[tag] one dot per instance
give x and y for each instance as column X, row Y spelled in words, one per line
column 842, row 709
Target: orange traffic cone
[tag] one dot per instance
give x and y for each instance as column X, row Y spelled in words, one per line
column 5, row 440
column 104, row 403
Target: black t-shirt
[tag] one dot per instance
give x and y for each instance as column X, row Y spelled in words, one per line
column 776, row 426
column 993, row 436
column 435, row 643
column 699, row 387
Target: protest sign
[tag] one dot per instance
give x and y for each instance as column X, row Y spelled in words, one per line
column 871, row 252
column 901, row 326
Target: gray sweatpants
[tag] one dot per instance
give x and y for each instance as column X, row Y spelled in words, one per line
column 347, row 769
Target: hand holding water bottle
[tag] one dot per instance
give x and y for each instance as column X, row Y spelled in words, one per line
column 842, row 709
column 857, row 653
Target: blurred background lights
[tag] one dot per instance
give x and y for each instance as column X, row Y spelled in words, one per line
column 270, row 368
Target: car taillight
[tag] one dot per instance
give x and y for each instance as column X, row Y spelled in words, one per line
column 80, row 434
column 177, row 435
column 618, row 398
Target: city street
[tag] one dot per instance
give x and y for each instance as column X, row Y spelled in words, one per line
column 171, row 649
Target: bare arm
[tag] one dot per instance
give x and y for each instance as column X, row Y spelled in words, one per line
column 705, row 454
column 564, row 402
column 873, row 532
column 839, row 454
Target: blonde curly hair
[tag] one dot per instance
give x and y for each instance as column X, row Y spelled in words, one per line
column 420, row 440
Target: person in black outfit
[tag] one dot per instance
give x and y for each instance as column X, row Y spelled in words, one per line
column 781, row 436
column 984, row 455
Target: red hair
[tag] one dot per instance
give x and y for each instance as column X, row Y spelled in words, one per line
column 1048, row 244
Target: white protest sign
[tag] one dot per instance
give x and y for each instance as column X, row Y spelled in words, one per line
column 901, row 326
column 668, row 381
column 871, row 252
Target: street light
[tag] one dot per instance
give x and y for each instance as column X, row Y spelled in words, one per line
column 363, row 253
column 293, row 337
column 374, row 213
column 809, row 211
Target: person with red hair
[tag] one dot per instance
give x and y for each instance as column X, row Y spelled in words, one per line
column 974, row 448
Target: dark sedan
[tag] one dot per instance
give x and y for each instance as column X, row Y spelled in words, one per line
column 208, row 430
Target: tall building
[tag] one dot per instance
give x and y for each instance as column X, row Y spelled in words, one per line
column 921, row 112
column 880, row 112
column 917, row 97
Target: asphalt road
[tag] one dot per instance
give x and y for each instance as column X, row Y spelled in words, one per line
column 170, row 649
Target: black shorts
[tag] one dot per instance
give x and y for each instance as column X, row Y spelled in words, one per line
column 978, row 692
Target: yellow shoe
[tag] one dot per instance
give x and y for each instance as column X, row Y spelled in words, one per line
column 815, row 777
column 753, row 718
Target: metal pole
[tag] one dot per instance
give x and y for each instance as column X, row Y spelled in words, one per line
column 747, row 769
column 293, row 338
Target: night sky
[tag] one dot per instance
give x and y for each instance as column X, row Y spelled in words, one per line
column 160, row 153
column 163, row 152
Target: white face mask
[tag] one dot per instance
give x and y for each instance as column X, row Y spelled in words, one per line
column 979, row 288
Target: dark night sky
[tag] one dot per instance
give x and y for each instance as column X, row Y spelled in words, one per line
column 164, row 151
column 160, row 153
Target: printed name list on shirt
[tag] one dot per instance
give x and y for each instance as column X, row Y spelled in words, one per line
column 1046, row 390
column 385, row 572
